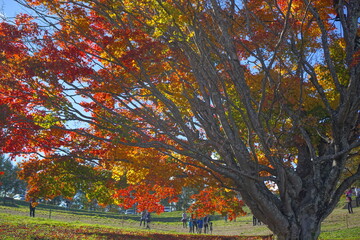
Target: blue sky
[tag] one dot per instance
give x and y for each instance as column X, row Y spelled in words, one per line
column 10, row 8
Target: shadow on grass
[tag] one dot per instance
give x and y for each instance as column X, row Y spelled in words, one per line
column 158, row 236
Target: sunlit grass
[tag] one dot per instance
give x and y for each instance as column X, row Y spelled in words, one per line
column 81, row 224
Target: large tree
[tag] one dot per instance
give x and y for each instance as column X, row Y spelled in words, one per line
column 261, row 97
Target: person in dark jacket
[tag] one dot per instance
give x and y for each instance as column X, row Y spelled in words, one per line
column 32, row 206
column 148, row 220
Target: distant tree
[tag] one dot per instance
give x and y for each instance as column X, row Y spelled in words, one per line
column 185, row 199
column 10, row 183
column 55, row 201
column 81, row 200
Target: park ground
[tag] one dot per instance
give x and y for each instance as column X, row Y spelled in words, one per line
column 58, row 223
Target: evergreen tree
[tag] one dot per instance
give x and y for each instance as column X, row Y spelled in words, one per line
column 10, row 183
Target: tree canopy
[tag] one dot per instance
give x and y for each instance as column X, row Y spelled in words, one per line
column 131, row 101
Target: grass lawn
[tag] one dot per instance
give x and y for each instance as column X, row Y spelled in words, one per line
column 58, row 223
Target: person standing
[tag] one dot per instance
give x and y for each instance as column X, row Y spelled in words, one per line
column 148, row 220
column 184, row 220
column 206, row 224
column 200, row 225
column 349, row 201
column 32, row 206
column 357, row 196
column 191, row 226
column 143, row 218
column 194, row 223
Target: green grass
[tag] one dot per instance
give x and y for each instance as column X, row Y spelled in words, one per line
column 341, row 225
column 26, row 228
column 82, row 224
column 343, row 234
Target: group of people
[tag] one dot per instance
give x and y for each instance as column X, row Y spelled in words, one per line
column 145, row 219
column 349, row 194
column 196, row 225
column 256, row 221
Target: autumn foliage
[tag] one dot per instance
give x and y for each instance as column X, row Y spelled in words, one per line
column 130, row 101
column 216, row 200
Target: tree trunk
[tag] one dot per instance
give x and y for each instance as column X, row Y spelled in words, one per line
column 303, row 225
column 295, row 214
column 307, row 229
